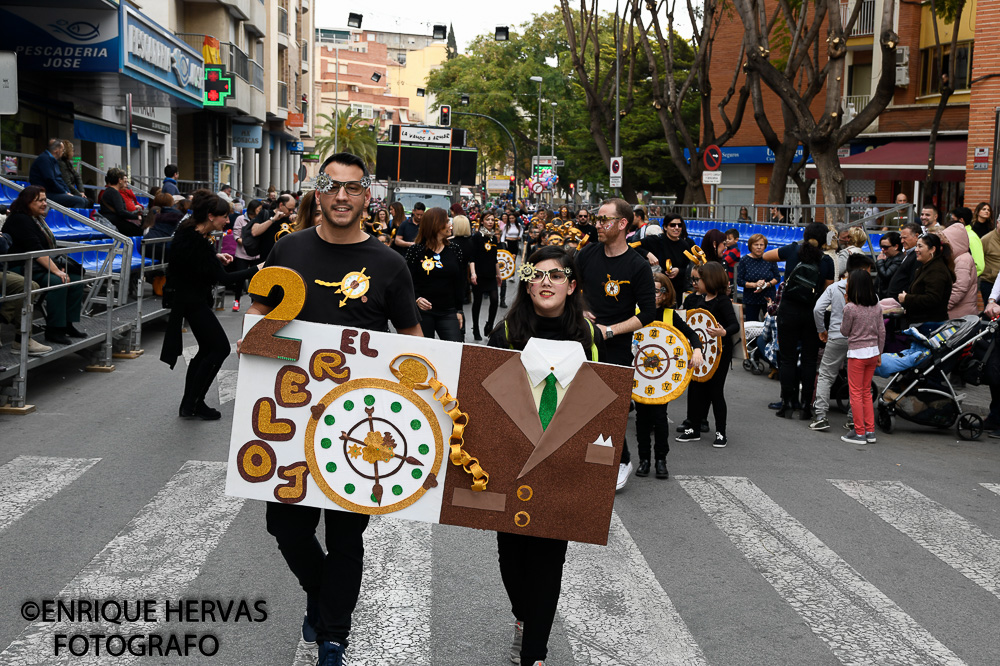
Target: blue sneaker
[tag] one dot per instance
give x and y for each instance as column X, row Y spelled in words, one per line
column 308, row 630
column 331, row 654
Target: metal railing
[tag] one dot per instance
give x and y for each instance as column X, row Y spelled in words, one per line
column 239, row 62
column 282, row 95
column 865, row 25
column 257, row 75
column 282, row 20
column 726, row 215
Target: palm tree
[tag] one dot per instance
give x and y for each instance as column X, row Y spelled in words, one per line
column 354, row 136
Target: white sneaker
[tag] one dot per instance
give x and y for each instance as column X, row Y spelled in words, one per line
column 35, row 348
column 624, row 471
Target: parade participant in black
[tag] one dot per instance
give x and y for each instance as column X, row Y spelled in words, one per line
column 194, row 269
column 548, row 305
column 652, row 419
column 511, row 232
column 616, row 281
column 588, row 231
column 808, row 272
column 407, row 230
column 438, row 269
column 267, row 225
column 710, row 283
column 484, row 273
column 668, row 249
column 337, row 246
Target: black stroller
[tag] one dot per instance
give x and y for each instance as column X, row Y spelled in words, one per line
column 924, row 393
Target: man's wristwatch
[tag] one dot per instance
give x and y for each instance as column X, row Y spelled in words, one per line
column 608, row 333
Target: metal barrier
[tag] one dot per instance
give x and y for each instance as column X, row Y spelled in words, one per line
column 13, row 398
column 155, row 250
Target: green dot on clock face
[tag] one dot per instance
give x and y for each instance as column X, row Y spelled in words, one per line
column 396, row 407
column 416, row 474
column 329, row 420
column 349, row 488
column 369, row 400
column 348, row 405
column 325, row 443
column 397, row 490
column 415, row 424
column 331, row 467
column 423, row 448
column 375, row 501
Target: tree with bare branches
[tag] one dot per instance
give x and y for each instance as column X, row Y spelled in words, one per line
column 951, row 12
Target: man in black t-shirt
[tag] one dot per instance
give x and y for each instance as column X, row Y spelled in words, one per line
column 268, row 223
column 327, row 252
column 616, row 281
column 406, row 235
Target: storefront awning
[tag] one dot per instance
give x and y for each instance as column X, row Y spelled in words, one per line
column 101, row 132
column 905, row 160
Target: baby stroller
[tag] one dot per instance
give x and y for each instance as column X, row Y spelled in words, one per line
column 755, row 362
column 923, row 394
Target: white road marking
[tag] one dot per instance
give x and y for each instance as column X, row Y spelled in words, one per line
column 156, row 556
column 954, row 540
column 992, row 487
column 27, row 481
column 644, row 627
column 227, row 385
column 306, row 654
column 855, row 619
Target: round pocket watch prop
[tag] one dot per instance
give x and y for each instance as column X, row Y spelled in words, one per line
column 662, row 364
column 375, row 447
column 711, row 346
column 506, row 263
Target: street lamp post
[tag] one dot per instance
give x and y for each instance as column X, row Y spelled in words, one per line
column 538, row 148
column 554, row 105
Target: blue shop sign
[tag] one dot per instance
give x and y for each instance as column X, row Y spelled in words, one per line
column 295, row 146
column 63, row 40
column 154, row 56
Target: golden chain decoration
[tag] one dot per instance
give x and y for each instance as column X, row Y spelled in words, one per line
column 413, row 374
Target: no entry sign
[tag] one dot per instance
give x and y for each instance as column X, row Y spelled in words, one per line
column 712, row 157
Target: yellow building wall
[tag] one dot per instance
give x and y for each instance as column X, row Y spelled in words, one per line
column 404, row 80
column 966, row 28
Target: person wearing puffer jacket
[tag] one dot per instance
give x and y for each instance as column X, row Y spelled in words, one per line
column 963, row 293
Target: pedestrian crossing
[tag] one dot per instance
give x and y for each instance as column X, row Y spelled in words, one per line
column 614, row 610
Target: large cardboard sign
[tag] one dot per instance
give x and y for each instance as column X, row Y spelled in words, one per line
column 375, row 423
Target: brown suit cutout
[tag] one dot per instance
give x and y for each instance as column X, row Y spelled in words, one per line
column 570, row 481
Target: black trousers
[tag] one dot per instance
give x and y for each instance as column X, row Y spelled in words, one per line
column 531, row 569
column 752, row 311
column 333, row 579
column 619, row 354
column 240, row 265
column 490, row 292
column 442, row 322
column 702, row 395
column 793, row 331
column 213, row 348
column 652, row 420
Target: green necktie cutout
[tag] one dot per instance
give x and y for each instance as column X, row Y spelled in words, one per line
column 547, row 405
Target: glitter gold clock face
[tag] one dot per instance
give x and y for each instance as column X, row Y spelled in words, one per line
column 505, row 261
column 662, row 364
column 374, row 447
column 711, row 347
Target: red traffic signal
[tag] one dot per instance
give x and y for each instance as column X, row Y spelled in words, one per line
column 445, row 119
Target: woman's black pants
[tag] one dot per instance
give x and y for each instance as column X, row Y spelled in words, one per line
column 213, row 348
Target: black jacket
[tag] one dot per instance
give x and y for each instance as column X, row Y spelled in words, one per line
column 927, row 297
column 887, row 268
column 903, row 276
column 113, row 208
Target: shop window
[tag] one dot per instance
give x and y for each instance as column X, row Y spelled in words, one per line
column 931, row 68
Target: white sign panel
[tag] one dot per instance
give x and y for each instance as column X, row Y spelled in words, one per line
column 425, row 135
column 497, row 184
column 711, row 177
column 247, row 136
column 8, row 83
column 616, row 172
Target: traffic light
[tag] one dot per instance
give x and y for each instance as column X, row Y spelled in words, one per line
column 445, row 120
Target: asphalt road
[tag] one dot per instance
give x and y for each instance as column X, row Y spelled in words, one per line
column 787, row 547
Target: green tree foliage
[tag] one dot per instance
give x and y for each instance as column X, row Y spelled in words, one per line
column 495, row 76
column 354, row 136
column 452, row 49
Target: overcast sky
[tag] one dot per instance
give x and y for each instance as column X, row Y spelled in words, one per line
column 470, row 18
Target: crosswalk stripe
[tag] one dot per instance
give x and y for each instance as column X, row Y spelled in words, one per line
column 855, row 619
column 992, row 487
column 391, row 623
column 155, row 556
column 646, row 630
column 954, row 540
column 227, row 385
column 27, row 481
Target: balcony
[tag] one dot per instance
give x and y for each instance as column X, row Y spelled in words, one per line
column 852, row 105
column 282, row 21
column 248, row 76
column 865, row 25
column 258, row 17
column 282, row 95
column 305, row 6
column 257, row 75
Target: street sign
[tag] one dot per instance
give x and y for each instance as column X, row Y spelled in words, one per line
column 616, row 172
column 8, row 83
column 711, row 177
column 560, row 163
column 712, row 157
column 537, row 188
column 543, row 160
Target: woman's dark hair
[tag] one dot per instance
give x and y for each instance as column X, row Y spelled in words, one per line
column 162, row 200
column 25, row 199
column 307, row 211
column 813, row 240
column 981, row 205
column 894, row 239
column 522, row 320
column 713, row 278
column 861, row 288
column 710, row 241
column 253, row 208
column 661, row 280
column 398, row 213
column 431, row 224
column 674, row 217
column 113, row 176
column 515, row 219
column 941, row 251
column 203, row 204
